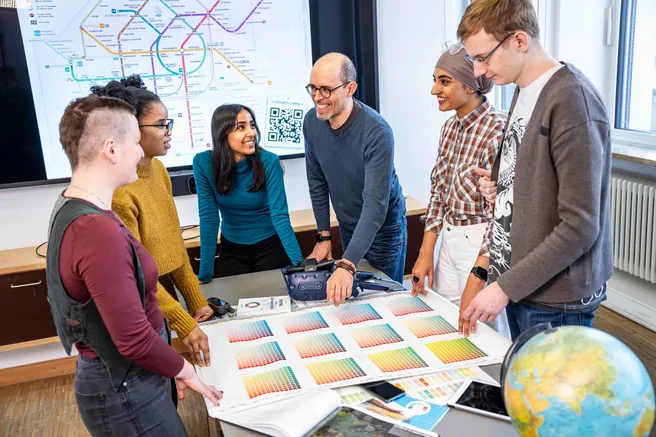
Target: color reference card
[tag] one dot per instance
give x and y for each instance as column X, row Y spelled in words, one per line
column 429, row 326
column 256, row 361
column 258, row 355
column 327, row 372
column 249, row 331
column 304, row 322
column 460, row 349
column 399, row 359
column 274, row 381
column 318, row 345
column 353, row 394
column 408, row 305
column 437, row 388
column 371, row 336
column 351, row 314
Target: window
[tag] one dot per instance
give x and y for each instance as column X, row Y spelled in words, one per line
column 503, row 96
column 635, row 105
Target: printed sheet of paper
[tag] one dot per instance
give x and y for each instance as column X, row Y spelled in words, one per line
column 419, row 415
column 259, row 360
column 435, row 388
column 263, row 306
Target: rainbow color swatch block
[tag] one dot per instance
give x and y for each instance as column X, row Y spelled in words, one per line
column 452, row 351
column 350, row 314
column 318, row 345
column 375, row 336
column 408, row 305
column 258, row 355
column 304, row 322
column 429, row 326
column 275, row 381
column 399, row 359
column 249, row 331
column 327, row 372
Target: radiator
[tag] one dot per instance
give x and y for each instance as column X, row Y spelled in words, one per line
column 633, row 205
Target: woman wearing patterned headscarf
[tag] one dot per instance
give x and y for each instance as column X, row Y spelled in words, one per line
column 469, row 141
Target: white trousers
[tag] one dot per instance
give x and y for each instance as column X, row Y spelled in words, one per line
column 458, row 253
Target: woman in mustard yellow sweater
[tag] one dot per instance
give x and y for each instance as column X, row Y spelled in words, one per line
column 147, row 209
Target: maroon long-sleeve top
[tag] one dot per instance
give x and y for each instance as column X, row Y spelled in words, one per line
column 96, row 263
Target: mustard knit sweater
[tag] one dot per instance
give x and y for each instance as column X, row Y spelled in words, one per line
column 148, row 211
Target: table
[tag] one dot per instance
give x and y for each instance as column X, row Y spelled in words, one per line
column 270, row 283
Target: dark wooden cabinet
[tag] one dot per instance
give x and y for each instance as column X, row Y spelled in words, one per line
column 194, row 259
column 25, row 310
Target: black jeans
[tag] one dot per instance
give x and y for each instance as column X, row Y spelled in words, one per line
column 238, row 259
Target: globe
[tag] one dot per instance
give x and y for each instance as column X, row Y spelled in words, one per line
column 578, row 381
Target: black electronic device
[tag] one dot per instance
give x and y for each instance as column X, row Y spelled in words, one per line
column 384, row 390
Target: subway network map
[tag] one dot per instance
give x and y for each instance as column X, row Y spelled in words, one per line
column 195, row 54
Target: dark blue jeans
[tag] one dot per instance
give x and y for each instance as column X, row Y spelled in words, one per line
column 142, row 407
column 388, row 250
column 522, row 317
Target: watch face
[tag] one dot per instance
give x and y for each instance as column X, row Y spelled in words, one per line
column 321, row 238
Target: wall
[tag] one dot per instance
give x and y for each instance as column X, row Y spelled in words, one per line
column 25, row 211
column 410, row 40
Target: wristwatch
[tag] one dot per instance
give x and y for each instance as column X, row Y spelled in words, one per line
column 480, row 272
column 320, row 238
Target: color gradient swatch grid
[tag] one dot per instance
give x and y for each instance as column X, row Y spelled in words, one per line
column 318, row 345
column 452, row 351
column 304, row 322
column 327, row 372
column 371, row 336
column 437, row 386
column 399, row 359
column 275, row 381
column 408, row 305
column 350, row 314
column 429, row 326
column 249, row 331
column 258, row 355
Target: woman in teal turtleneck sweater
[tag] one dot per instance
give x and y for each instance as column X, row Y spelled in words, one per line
column 245, row 184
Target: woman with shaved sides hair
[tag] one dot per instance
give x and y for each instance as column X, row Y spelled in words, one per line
column 102, row 284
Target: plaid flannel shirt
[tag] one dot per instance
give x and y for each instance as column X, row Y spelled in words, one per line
column 466, row 143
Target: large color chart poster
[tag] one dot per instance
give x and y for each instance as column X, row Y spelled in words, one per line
column 260, row 360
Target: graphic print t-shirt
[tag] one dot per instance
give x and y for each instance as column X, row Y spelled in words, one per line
column 500, row 248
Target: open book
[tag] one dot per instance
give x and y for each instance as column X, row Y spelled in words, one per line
column 293, row 417
column 319, row 413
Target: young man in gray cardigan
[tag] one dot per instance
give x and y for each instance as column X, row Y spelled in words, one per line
column 551, row 251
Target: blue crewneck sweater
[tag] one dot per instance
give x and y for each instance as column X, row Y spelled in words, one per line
column 245, row 218
column 353, row 167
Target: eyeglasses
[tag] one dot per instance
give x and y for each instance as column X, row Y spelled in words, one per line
column 486, row 57
column 168, row 125
column 323, row 90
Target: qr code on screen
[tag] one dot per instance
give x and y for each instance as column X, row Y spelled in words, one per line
column 285, row 125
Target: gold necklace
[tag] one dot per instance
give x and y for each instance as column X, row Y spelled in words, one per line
column 93, row 194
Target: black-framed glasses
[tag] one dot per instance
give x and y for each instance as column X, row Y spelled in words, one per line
column 323, row 90
column 168, row 125
column 490, row 53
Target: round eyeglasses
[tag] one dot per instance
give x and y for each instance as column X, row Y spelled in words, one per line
column 323, row 90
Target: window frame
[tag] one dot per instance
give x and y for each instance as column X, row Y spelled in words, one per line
column 620, row 136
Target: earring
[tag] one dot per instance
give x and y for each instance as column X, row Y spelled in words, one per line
column 113, row 161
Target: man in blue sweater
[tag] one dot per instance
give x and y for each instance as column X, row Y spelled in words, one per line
column 349, row 156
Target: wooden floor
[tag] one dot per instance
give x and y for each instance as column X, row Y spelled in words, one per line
column 47, row 408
